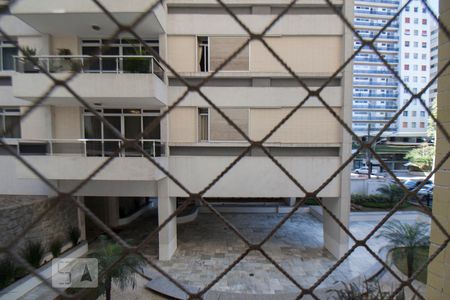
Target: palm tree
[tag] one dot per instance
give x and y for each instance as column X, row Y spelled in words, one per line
column 408, row 237
column 122, row 274
column 392, row 192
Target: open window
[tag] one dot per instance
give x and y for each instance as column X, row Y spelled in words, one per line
column 203, row 53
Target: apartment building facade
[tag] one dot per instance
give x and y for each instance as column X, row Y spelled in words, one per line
column 406, row 46
column 129, row 86
column 375, row 89
column 415, row 64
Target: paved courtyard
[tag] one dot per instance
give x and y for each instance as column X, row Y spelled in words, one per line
column 207, row 246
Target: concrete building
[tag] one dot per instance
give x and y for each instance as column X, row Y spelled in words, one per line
column 415, row 62
column 66, row 142
column 375, row 89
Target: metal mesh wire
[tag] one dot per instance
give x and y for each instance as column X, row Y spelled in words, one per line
column 259, row 144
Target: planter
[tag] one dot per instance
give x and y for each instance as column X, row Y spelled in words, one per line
column 29, row 282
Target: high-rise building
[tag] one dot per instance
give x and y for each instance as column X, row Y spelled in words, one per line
column 375, row 89
column 415, row 63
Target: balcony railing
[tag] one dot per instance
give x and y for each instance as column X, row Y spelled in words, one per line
column 362, row 106
column 371, row 83
column 85, row 147
column 380, row 1
column 378, row 60
column 376, row 24
column 361, row 95
column 374, row 12
column 142, row 64
column 387, row 72
column 386, row 37
column 371, row 118
column 380, row 48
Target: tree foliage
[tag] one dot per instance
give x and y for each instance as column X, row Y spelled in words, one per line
column 422, row 157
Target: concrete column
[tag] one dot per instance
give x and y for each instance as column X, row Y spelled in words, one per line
column 82, row 221
column 335, row 239
column 168, row 234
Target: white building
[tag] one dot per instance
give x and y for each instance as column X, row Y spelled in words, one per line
column 65, row 142
column 415, row 41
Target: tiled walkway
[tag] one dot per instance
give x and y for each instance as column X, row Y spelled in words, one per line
column 206, row 246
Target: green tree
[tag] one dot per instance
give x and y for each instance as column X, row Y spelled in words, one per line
column 408, row 237
column 421, row 157
column 122, row 274
column 392, row 192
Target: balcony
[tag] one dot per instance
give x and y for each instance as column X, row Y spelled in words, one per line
column 376, row 107
column 372, row 83
column 84, row 18
column 363, row 95
column 373, row 12
column 60, row 159
column 375, row 59
column 107, row 80
column 370, row 118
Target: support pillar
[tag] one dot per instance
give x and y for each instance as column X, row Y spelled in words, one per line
column 168, row 234
column 335, row 239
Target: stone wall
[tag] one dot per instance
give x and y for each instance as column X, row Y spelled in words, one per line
column 17, row 212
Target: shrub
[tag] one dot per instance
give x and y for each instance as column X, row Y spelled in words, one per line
column 55, row 247
column 33, row 253
column 9, row 272
column 74, row 235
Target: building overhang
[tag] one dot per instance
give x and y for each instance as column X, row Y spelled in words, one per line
column 66, row 17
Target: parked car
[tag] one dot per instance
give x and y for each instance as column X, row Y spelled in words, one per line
column 365, row 170
column 411, row 184
column 425, row 194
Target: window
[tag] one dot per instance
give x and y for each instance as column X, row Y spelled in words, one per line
column 416, row 55
column 422, row 113
column 413, row 124
column 406, row 79
column 203, row 124
column 423, row 79
column 424, row 21
column 416, row 9
column 424, row 44
column 415, row 79
column 407, row 8
column 424, row 67
column 415, row 67
column 407, row 20
column 424, row 33
column 416, row 44
column 422, row 124
column 7, row 52
column 119, row 47
column 416, row 32
column 406, row 54
column 405, row 124
column 406, row 43
column 414, row 113
column 406, row 67
column 407, row 32
column 128, row 122
column 416, row 21
column 203, row 53
column 10, row 120
column 424, row 56
column 405, row 113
